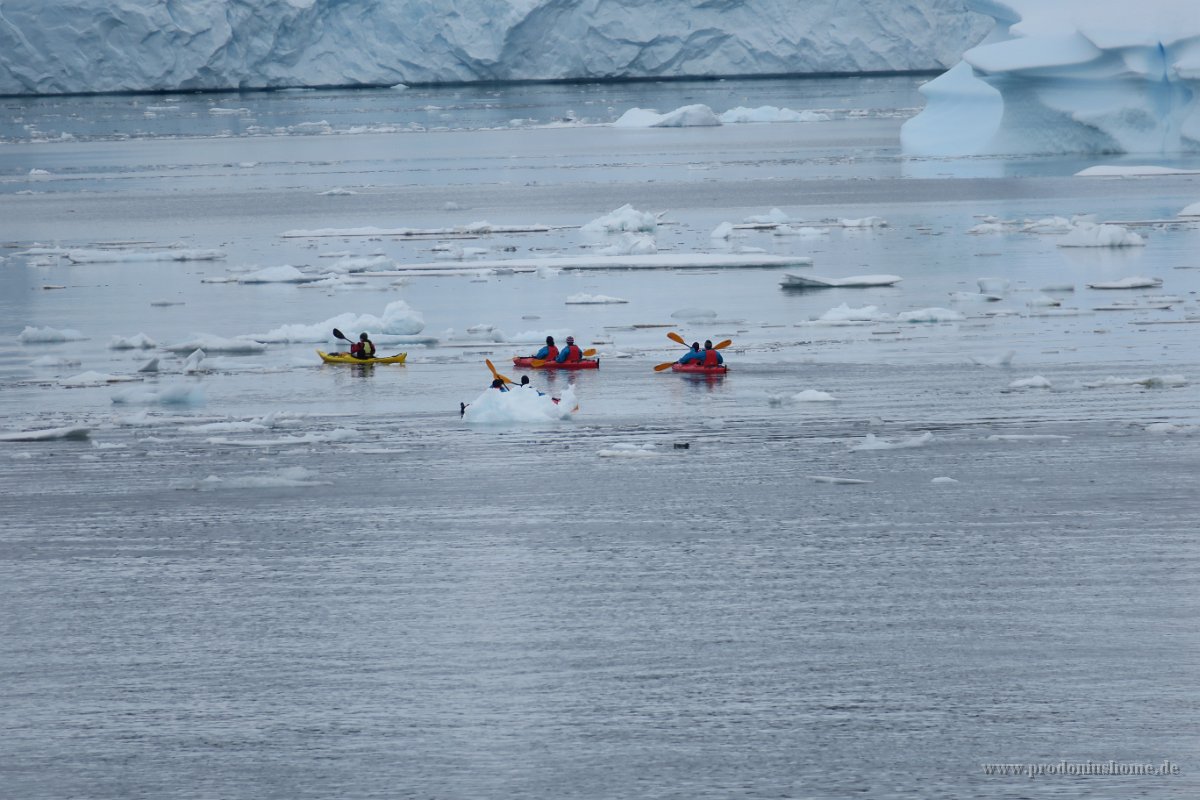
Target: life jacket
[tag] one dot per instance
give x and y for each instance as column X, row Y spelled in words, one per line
column 551, row 352
column 363, row 349
column 573, row 353
column 710, row 358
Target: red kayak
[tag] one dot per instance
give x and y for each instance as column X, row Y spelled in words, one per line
column 700, row 369
column 526, row 362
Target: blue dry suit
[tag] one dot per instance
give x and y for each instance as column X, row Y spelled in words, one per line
column 571, row 352
column 690, row 356
column 711, row 358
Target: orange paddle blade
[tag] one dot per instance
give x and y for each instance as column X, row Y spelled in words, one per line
column 675, row 337
column 723, row 344
column 661, row 367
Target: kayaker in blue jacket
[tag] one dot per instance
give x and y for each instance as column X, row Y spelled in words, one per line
column 570, row 353
column 549, row 352
column 693, row 355
column 711, row 357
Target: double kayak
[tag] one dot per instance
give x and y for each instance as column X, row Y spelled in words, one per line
column 526, row 362
column 346, row 358
column 700, row 369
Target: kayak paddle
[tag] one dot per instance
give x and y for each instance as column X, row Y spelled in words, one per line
column 495, row 374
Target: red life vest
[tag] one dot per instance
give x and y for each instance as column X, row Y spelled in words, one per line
column 574, row 353
column 710, row 358
column 551, row 352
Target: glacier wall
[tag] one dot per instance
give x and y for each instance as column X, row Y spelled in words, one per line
column 70, row 46
column 1069, row 76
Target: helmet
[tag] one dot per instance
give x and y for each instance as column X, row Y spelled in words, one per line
column 570, row 340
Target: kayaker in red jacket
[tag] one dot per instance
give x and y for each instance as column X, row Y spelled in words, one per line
column 364, row 348
column 711, row 357
column 549, row 352
column 693, row 355
column 570, row 353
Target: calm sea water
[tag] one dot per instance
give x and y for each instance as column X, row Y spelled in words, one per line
column 337, row 589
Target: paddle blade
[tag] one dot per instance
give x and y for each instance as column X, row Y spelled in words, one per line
column 589, row 353
column 723, row 344
column 495, row 374
column 340, row 335
column 675, row 337
column 537, row 362
column 661, row 367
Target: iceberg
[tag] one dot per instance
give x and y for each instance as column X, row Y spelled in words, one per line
column 1071, row 76
column 134, row 45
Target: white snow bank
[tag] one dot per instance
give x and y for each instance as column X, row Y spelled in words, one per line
column 592, row 299
column 32, row 335
column 770, row 114
column 494, row 407
column 121, row 256
column 873, row 443
column 693, row 116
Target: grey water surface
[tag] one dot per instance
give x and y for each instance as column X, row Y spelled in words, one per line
column 317, row 581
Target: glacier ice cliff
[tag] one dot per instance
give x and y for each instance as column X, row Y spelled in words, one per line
column 76, row 46
column 1069, row 76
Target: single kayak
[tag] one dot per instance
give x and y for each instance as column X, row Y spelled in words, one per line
column 346, row 358
column 526, row 362
column 700, row 369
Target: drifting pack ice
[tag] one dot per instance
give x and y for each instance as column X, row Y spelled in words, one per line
column 1069, row 76
column 133, row 45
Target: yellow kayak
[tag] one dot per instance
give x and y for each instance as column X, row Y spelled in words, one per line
column 346, row 358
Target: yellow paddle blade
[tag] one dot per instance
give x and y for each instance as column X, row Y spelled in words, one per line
column 675, row 337
column 495, row 374
column 661, row 367
column 589, row 353
column 723, row 344
column 537, row 362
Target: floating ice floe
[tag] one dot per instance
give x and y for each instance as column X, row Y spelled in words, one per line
column 625, row 218
column 1058, row 287
column 47, row 434
column 1152, row 382
column 289, row 477
column 836, row 480
column 994, row 362
column 628, row 451
column 335, row 435
column 593, row 299
column 1027, row 437
column 1132, row 171
column 698, row 115
column 1035, row 382
column 1191, row 211
column 216, row 344
column 974, row 297
column 803, row 230
column 120, row 256
column 285, row 273
column 1102, row 235
column 772, row 218
column 55, row 361
column 494, row 407
column 943, row 479
column 864, row 222
column 92, row 378
column 399, row 320
column 1055, row 225
column 193, row 363
column 722, row 231
column 631, row 244
column 744, row 260
column 1172, row 427
column 992, row 285
column 804, row 396
column 139, row 341
column 337, row 192
column 791, row 281
column 475, row 228
column 844, row 314
column 770, row 114
column 1134, row 282
column 934, row 314
column 1043, row 301
column 179, row 394
column 32, row 335
column 871, row 442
